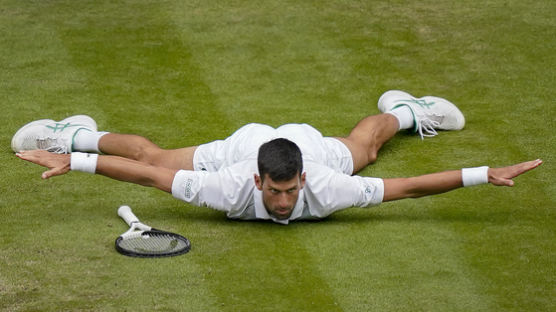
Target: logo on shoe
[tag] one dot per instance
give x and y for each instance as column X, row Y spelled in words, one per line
column 61, row 127
column 420, row 102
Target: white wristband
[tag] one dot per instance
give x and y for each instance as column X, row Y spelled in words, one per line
column 84, row 162
column 474, row 176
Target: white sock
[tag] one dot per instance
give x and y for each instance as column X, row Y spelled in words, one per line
column 87, row 141
column 404, row 115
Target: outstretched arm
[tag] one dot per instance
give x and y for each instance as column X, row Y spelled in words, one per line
column 114, row 167
column 441, row 182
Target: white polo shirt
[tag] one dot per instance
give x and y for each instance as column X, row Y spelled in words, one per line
column 224, row 169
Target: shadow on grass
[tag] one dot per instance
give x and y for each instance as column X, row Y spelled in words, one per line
column 431, row 217
column 356, row 217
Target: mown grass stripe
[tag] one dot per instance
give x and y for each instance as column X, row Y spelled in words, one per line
column 145, row 54
column 134, row 57
column 264, row 267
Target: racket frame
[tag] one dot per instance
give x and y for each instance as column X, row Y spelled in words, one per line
column 137, row 229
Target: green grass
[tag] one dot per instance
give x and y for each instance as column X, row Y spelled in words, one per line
column 187, row 72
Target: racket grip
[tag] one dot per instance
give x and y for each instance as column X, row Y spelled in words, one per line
column 125, row 213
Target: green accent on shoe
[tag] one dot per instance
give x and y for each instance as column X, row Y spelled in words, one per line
column 424, row 104
column 62, row 127
column 412, row 113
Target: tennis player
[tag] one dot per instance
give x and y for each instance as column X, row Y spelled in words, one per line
column 259, row 172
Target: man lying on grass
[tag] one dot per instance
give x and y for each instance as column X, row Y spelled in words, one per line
column 288, row 173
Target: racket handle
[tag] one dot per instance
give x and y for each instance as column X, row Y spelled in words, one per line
column 125, row 213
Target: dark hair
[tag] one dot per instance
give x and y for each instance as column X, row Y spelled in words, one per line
column 280, row 159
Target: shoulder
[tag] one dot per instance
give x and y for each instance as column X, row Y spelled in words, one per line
column 328, row 190
column 224, row 189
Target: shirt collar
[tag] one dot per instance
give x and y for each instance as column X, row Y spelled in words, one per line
column 261, row 213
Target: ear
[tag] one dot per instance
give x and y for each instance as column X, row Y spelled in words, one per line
column 258, row 182
column 302, row 180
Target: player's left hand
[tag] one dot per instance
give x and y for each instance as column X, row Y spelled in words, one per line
column 503, row 176
column 57, row 164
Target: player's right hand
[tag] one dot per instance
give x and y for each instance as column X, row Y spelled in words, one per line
column 57, row 164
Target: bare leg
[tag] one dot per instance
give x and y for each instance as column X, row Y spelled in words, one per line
column 368, row 136
column 142, row 149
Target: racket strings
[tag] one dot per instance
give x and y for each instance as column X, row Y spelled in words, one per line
column 154, row 243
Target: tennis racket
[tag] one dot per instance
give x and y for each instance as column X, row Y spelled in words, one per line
column 144, row 241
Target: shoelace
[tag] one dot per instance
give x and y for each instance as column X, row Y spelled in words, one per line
column 427, row 127
column 428, row 124
column 52, row 145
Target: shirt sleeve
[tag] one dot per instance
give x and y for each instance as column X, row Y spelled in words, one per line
column 329, row 191
column 229, row 189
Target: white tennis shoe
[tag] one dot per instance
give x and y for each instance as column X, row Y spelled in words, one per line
column 429, row 112
column 50, row 135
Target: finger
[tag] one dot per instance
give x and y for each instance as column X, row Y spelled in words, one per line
column 22, row 155
column 54, row 172
column 526, row 166
column 534, row 164
column 27, row 157
column 31, row 156
column 508, row 182
column 504, row 176
column 502, row 182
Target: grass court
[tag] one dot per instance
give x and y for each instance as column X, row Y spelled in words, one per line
column 188, row 72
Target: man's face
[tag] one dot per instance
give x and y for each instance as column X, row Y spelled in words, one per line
column 279, row 198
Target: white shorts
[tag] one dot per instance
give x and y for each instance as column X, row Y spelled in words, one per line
column 245, row 142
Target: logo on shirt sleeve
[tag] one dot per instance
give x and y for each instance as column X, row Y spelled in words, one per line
column 188, row 192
